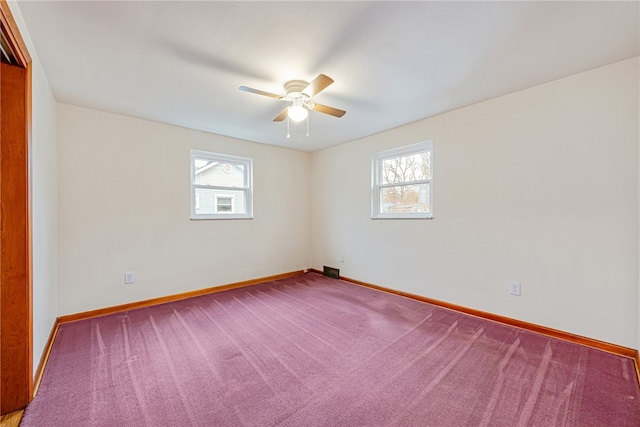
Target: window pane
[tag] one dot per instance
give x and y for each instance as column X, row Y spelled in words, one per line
column 405, row 199
column 217, row 173
column 415, row 167
column 200, row 163
column 212, row 201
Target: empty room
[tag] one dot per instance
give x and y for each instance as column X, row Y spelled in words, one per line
column 317, row 213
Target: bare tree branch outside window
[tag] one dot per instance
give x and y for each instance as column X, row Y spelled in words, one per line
column 405, row 171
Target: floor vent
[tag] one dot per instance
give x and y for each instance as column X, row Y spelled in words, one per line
column 331, row 272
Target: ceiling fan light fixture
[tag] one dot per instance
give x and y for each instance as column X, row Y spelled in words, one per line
column 300, row 95
column 297, row 113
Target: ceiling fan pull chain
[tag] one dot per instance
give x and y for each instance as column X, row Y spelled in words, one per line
column 307, row 125
column 288, row 135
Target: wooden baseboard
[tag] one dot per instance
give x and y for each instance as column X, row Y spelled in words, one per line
column 577, row 339
column 170, row 298
column 637, row 360
column 45, row 357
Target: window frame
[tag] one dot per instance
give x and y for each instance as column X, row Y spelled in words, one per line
column 247, row 189
column 376, row 180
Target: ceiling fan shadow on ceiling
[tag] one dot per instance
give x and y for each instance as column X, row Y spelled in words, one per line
column 300, row 96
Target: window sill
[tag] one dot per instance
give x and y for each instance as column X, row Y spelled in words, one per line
column 218, row 218
column 403, row 217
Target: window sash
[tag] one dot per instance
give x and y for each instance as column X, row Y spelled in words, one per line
column 219, row 187
column 377, row 186
column 246, row 166
column 405, row 183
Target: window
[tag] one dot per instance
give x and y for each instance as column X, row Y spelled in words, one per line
column 221, row 186
column 224, row 203
column 402, row 182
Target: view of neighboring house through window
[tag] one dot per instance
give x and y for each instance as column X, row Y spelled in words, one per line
column 220, row 186
column 402, row 184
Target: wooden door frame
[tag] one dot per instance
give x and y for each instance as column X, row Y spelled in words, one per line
column 17, row 384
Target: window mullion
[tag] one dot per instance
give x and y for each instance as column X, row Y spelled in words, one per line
column 404, row 183
column 216, row 187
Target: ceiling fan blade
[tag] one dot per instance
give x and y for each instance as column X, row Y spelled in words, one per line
column 316, row 86
column 259, row 92
column 283, row 114
column 329, row 110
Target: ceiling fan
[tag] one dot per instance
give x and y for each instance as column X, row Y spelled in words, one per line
column 300, row 94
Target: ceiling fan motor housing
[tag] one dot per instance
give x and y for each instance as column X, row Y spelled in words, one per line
column 294, row 89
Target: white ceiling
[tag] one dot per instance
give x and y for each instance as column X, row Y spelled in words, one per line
column 393, row 62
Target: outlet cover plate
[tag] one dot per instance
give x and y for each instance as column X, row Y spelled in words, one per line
column 515, row 288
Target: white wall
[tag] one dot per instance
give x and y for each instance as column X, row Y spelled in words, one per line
column 540, row 186
column 124, row 206
column 44, row 198
column 515, row 179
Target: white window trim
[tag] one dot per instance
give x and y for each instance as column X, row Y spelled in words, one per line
column 376, row 186
column 248, row 189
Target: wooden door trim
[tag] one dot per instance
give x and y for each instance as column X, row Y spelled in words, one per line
column 10, row 30
column 24, row 385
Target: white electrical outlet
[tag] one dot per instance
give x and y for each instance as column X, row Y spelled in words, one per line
column 514, row 288
column 341, row 257
column 128, row 278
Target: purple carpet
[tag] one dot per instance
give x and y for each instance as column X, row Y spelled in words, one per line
column 313, row 351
